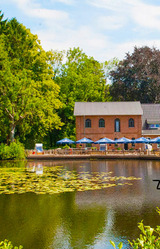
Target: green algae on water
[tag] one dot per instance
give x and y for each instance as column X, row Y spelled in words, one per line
column 53, row 180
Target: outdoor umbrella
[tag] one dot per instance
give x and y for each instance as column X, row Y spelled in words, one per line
column 155, row 140
column 65, row 141
column 104, row 141
column 122, row 140
column 141, row 140
column 84, row 141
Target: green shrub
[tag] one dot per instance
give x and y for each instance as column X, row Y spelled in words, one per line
column 93, row 148
column 13, row 151
column 119, row 148
column 8, row 245
column 148, row 239
column 66, row 146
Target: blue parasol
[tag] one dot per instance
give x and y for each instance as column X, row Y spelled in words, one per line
column 155, row 140
column 104, row 141
column 65, row 141
column 123, row 140
column 141, row 140
column 84, row 141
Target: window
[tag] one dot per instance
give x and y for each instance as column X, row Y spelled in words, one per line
column 117, row 125
column 88, row 123
column 131, row 122
column 154, row 126
column 101, row 123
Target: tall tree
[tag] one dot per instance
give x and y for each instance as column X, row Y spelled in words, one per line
column 2, row 23
column 28, row 94
column 137, row 77
column 81, row 78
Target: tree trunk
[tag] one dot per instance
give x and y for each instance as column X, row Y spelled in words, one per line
column 50, row 138
column 12, row 133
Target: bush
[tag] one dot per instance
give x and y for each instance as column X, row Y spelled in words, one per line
column 66, row 146
column 148, row 239
column 12, row 151
column 119, row 148
column 8, row 245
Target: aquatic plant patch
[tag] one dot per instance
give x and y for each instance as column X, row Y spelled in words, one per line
column 52, row 180
column 8, row 245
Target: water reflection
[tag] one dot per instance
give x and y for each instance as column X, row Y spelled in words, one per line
column 83, row 219
column 49, row 221
column 35, row 167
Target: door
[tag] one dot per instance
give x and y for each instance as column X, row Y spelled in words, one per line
column 126, row 146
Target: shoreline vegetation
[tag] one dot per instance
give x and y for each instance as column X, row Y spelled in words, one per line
column 148, row 239
column 16, row 151
column 6, row 244
column 13, row 151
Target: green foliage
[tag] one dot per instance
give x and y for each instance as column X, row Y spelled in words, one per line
column 81, row 78
column 2, row 23
column 8, row 245
column 120, row 245
column 66, row 146
column 93, row 148
column 148, row 239
column 13, row 151
column 119, row 148
column 29, row 98
column 109, row 66
column 136, row 78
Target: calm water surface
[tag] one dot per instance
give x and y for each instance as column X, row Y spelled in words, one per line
column 83, row 219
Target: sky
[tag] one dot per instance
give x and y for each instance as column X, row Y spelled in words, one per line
column 103, row 29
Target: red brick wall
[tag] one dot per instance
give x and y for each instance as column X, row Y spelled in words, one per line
column 95, row 132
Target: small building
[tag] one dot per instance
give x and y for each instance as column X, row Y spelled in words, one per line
column 151, row 120
column 96, row 120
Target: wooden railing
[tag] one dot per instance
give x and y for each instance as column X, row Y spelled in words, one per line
column 82, row 151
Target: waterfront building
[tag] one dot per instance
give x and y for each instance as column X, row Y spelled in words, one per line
column 96, row 120
column 151, row 120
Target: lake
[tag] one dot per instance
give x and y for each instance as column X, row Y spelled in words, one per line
column 86, row 219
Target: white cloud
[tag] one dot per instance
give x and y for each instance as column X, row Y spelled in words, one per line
column 114, row 5
column 23, row 4
column 68, row 2
column 91, row 42
column 147, row 16
column 120, row 50
column 47, row 14
column 111, row 22
column 61, row 30
column 33, row 8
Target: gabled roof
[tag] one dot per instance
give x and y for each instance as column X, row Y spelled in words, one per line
column 151, row 114
column 107, row 108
